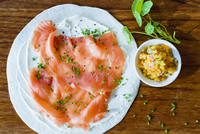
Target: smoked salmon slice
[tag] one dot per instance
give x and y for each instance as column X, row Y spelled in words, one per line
column 76, row 76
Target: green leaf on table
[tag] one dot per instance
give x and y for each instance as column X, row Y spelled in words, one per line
column 138, row 18
column 146, row 7
column 137, row 6
column 149, row 29
column 155, row 24
column 127, row 35
column 136, row 9
column 160, row 31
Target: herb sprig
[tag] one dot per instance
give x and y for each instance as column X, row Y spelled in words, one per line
column 153, row 28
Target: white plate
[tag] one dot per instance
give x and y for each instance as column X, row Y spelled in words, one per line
column 18, row 86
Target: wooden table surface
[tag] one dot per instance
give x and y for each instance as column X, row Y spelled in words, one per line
column 183, row 16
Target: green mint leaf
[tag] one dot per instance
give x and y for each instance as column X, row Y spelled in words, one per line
column 146, row 8
column 149, row 29
column 137, row 6
column 155, row 24
column 136, row 9
column 160, row 31
column 127, row 35
column 138, row 18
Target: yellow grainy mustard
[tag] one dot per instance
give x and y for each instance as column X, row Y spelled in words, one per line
column 157, row 62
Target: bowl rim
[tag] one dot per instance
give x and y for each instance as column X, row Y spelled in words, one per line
column 175, row 74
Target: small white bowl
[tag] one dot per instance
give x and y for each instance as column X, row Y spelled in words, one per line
column 150, row 82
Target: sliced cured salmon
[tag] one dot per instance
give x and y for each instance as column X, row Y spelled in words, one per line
column 76, row 76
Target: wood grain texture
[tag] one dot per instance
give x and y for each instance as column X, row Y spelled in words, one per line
column 183, row 16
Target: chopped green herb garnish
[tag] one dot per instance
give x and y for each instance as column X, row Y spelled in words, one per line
column 102, row 43
column 149, row 117
column 86, row 32
column 186, row 123
column 115, row 95
column 63, row 109
column 33, row 59
column 148, row 123
column 162, row 125
column 68, row 83
column 86, row 104
column 101, row 91
column 197, row 121
column 67, row 72
column 173, row 114
column 153, row 110
column 134, row 115
column 173, row 104
column 41, row 85
column 173, row 108
column 113, row 44
column 166, row 130
column 69, row 60
column 116, row 68
column 141, row 96
column 40, row 65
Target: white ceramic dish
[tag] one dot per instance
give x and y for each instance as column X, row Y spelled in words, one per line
column 21, row 53
column 171, row 78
